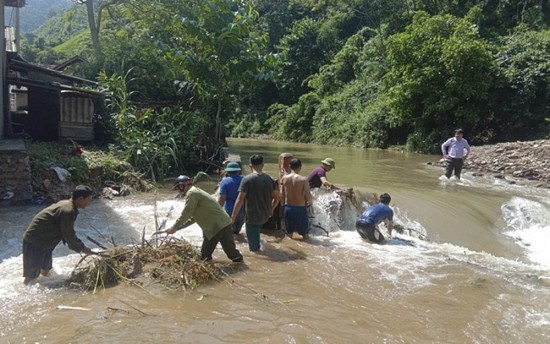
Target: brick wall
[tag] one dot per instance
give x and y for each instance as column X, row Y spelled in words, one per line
column 15, row 173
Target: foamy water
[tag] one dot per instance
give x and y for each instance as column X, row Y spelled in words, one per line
column 415, row 288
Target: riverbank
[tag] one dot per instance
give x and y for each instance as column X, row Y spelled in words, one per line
column 516, row 162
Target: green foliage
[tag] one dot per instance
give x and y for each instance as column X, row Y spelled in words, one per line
column 36, row 12
column 522, row 94
column 154, row 141
column 367, row 73
column 111, row 161
column 204, row 40
column 45, row 155
column 342, row 68
column 440, row 73
column 61, row 36
column 302, row 56
column 293, row 123
column 353, row 116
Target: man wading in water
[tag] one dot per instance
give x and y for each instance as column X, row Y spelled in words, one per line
column 296, row 197
column 216, row 225
column 455, row 150
column 367, row 223
column 50, row 226
column 261, row 194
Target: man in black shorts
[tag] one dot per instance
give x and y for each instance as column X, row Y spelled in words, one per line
column 48, row 228
column 367, row 223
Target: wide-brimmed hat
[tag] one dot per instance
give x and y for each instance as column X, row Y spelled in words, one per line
column 233, row 166
column 329, row 162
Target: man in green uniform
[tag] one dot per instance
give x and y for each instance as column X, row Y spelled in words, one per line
column 204, row 209
column 48, row 228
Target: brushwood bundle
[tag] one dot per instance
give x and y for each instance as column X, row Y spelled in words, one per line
column 173, row 263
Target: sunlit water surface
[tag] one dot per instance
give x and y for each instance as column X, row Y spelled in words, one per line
column 474, row 269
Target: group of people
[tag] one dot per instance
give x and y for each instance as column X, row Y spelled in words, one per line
column 253, row 199
column 249, row 200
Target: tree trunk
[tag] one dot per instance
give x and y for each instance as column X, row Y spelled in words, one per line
column 94, row 29
column 219, row 120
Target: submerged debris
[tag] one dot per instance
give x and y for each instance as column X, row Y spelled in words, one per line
column 174, row 263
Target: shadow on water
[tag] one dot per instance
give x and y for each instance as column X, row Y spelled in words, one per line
column 281, row 255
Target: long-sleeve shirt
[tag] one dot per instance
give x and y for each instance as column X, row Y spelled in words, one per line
column 53, row 224
column 205, row 210
column 456, row 149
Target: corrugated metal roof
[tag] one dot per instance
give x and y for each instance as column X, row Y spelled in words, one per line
column 14, row 3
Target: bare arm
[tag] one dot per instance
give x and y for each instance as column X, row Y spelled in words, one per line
column 390, row 226
column 282, row 190
column 221, row 200
column 307, row 194
column 238, row 205
column 325, row 182
column 275, row 201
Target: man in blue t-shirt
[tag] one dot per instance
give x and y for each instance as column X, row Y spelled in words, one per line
column 367, row 223
column 229, row 190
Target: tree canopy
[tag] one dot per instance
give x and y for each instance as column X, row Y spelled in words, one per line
column 368, row 73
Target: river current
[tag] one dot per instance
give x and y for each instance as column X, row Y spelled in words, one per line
column 472, row 266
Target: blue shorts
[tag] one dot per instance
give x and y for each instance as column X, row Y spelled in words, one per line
column 296, row 219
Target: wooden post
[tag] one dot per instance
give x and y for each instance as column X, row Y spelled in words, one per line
column 2, row 68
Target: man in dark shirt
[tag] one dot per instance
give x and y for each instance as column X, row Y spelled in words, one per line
column 261, row 194
column 318, row 177
column 48, row 228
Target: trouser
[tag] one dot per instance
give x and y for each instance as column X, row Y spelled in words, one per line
column 225, row 238
column 368, row 231
column 253, row 236
column 239, row 222
column 296, row 219
column 453, row 164
column 35, row 258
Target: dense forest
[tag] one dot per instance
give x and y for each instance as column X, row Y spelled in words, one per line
column 366, row 73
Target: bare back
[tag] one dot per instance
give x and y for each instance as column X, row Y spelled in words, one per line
column 296, row 190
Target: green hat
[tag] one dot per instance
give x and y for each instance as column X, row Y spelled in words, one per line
column 329, row 162
column 232, row 166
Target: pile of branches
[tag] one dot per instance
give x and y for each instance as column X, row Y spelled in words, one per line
column 171, row 262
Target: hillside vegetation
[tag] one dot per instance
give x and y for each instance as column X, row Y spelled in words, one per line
column 36, row 12
column 367, row 73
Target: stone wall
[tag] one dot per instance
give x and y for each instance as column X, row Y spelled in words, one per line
column 15, row 173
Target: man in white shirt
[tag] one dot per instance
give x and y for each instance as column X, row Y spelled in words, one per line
column 455, row 150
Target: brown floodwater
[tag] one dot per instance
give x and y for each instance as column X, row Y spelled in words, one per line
column 474, row 268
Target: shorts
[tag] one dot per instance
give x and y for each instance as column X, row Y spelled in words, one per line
column 296, row 219
column 368, row 231
column 35, row 259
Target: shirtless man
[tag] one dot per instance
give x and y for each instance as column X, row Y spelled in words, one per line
column 297, row 198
